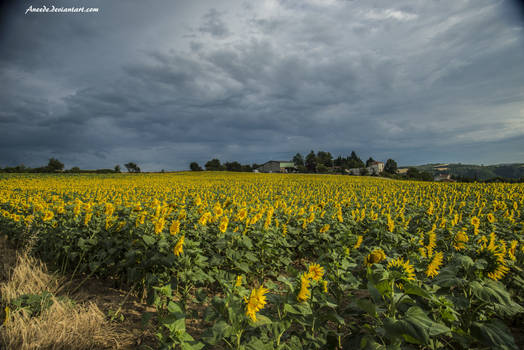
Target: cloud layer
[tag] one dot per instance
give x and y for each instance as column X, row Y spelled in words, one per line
column 167, row 83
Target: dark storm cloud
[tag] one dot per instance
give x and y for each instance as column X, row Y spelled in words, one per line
column 166, row 83
column 214, row 25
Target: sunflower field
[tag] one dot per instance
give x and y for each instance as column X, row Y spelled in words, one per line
column 287, row 261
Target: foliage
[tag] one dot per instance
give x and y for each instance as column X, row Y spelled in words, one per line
column 298, row 160
column 195, row 167
column 132, row 167
column 288, row 261
column 390, row 166
column 311, row 162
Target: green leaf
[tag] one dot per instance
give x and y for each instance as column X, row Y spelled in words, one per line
column 175, row 309
column 494, row 334
column 150, row 240
column 174, row 324
column 494, row 292
column 413, row 289
column 214, row 334
column 243, row 266
column 286, row 281
column 367, row 306
column 416, row 327
column 256, row 344
column 465, row 261
column 416, row 314
column 189, row 346
column 261, row 321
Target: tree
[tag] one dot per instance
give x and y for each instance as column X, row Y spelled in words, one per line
column 55, row 165
column 195, row 167
column 412, row 173
column 325, row 159
column 298, row 160
column 364, row 171
column 311, row 162
column 353, row 161
column 339, row 161
column 132, row 167
column 117, row 169
column 391, row 166
column 321, row 168
column 233, row 166
column 247, row 168
column 369, row 161
column 214, row 165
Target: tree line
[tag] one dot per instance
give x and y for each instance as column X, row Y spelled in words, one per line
column 215, row 165
column 56, row 166
column 320, row 162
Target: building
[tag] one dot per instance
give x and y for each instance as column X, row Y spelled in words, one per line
column 374, row 168
column 277, row 166
column 443, row 178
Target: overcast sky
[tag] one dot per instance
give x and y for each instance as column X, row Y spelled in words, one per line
column 164, row 83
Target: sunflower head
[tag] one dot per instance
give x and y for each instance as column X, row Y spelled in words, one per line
column 304, row 292
column 496, row 267
column 434, row 265
column 375, row 257
column 256, row 302
column 315, row 272
column 179, row 247
column 403, row 268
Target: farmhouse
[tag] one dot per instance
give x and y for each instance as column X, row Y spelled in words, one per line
column 374, row 168
column 443, row 178
column 277, row 166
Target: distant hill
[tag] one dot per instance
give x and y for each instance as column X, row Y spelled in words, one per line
column 479, row 172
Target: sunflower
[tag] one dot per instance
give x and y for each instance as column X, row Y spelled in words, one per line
column 434, row 265
column 49, row 215
column 460, row 238
column 475, row 221
column 174, row 229
column 182, row 214
column 204, row 218
column 324, row 286
column 513, row 249
column 405, row 269
column 304, row 292
column 224, row 221
column 315, row 272
column 496, row 268
column 256, row 302
column 358, row 243
column 159, row 225
column 375, row 257
column 242, row 214
column 218, row 210
column 238, row 282
column 324, row 228
column 179, row 247
column 391, row 224
column 491, row 218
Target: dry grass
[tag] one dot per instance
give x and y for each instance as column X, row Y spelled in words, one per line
column 64, row 325
column 29, row 276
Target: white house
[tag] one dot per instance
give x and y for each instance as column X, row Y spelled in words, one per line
column 374, row 168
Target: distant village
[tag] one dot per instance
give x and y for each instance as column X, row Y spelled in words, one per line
column 373, row 168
